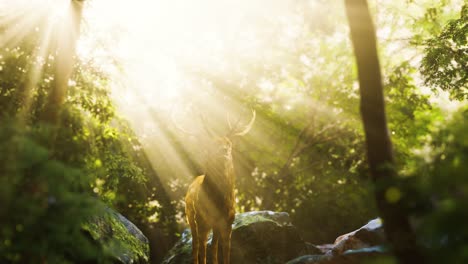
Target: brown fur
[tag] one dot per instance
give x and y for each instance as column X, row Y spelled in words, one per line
column 210, row 200
column 210, row 206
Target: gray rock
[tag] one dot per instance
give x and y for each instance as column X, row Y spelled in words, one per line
column 371, row 250
column 369, row 235
column 349, row 257
column 131, row 228
column 352, row 248
column 309, row 259
column 257, row 237
column 182, row 251
column 362, row 255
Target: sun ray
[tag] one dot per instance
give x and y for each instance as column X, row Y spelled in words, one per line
column 164, row 56
column 20, row 26
column 44, row 22
column 40, row 57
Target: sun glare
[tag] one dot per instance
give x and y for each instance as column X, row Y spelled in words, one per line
column 157, row 45
column 150, row 49
column 156, row 42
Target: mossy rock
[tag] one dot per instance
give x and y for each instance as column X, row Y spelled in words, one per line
column 257, row 237
column 119, row 237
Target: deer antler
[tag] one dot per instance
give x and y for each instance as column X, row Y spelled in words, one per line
column 247, row 127
column 233, row 130
column 181, row 129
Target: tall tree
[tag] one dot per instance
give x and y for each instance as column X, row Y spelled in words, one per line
column 68, row 34
column 379, row 147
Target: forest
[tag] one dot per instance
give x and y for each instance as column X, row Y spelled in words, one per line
column 327, row 131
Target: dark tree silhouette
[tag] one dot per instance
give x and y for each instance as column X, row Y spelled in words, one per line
column 379, row 147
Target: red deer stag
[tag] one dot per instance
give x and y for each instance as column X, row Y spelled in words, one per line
column 209, row 203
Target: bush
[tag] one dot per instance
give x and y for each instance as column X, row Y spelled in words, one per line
column 44, row 202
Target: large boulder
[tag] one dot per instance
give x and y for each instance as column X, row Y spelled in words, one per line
column 369, row 235
column 115, row 234
column 308, row 259
column 257, row 237
column 348, row 257
column 354, row 247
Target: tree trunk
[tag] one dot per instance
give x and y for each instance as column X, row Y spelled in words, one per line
column 379, row 147
column 66, row 44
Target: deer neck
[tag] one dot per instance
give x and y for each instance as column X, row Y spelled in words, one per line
column 220, row 186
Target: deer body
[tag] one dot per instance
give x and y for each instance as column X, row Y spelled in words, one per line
column 210, row 200
column 210, row 206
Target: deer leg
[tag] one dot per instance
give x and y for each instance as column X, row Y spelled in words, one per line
column 214, row 247
column 195, row 243
column 202, row 238
column 226, row 244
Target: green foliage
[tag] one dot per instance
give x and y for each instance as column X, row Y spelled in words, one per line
column 407, row 107
column 43, row 202
column 53, row 176
column 305, row 154
column 443, row 186
column 445, row 64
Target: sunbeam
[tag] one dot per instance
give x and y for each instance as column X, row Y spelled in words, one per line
column 168, row 62
column 182, row 60
column 232, row 131
column 47, row 23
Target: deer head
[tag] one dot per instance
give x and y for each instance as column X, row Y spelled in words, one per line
column 219, row 147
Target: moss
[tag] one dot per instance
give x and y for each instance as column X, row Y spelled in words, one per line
column 245, row 219
column 115, row 238
column 250, row 220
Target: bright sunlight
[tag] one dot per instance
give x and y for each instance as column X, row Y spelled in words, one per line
column 177, row 131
